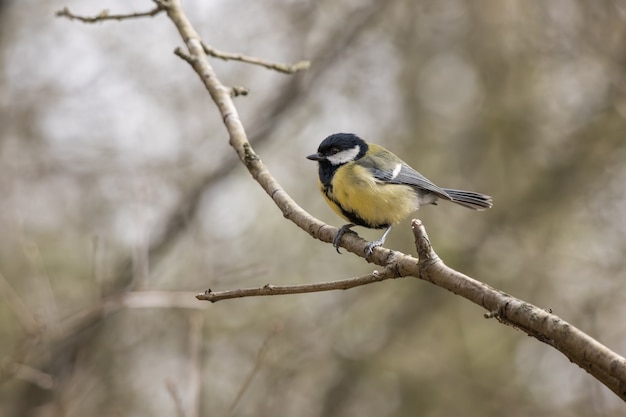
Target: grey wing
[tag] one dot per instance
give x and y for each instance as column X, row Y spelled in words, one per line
column 401, row 173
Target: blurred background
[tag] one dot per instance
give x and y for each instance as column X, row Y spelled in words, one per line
column 120, row 199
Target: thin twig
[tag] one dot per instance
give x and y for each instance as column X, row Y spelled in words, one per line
column 237, row 90
column 179, row 52
column 229, row 56
column 105, row 15
column 255, row 369
column 268, row 289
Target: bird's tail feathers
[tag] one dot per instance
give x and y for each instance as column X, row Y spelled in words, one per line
column 469, row 199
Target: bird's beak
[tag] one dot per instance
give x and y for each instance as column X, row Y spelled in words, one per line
column 316, row 157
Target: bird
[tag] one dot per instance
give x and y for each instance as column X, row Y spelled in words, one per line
column 369, row 186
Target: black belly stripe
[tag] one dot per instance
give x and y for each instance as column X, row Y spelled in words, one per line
column 351, row 215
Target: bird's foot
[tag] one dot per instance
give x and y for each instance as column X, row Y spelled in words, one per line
column 376, row 243
column 370, row 246
column 345, row 228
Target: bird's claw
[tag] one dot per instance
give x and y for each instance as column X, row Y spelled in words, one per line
column 376, row 243
column 345, row 228
column 337, row 247
column 370, row 247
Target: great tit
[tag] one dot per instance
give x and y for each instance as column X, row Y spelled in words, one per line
column 371, row 187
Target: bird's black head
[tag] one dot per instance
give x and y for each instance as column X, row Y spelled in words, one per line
column 339, row 149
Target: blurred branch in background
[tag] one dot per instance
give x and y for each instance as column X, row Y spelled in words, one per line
column 258, row 362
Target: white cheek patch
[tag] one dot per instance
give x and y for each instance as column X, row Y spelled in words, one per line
column 396, row 171
column 344, row 156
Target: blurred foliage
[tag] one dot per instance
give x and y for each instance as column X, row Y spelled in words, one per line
column 116, row 175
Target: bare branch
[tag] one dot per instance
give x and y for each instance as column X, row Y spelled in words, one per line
column 284, row 68
column 105, row 15
column 268, row 289
column 605, row 365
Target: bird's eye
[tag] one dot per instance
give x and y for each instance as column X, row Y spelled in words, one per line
column 333, row 151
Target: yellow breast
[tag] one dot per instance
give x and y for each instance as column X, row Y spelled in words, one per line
column 359, row 198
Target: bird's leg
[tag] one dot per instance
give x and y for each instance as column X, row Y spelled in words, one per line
column 376, row 243
column 345, row 228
